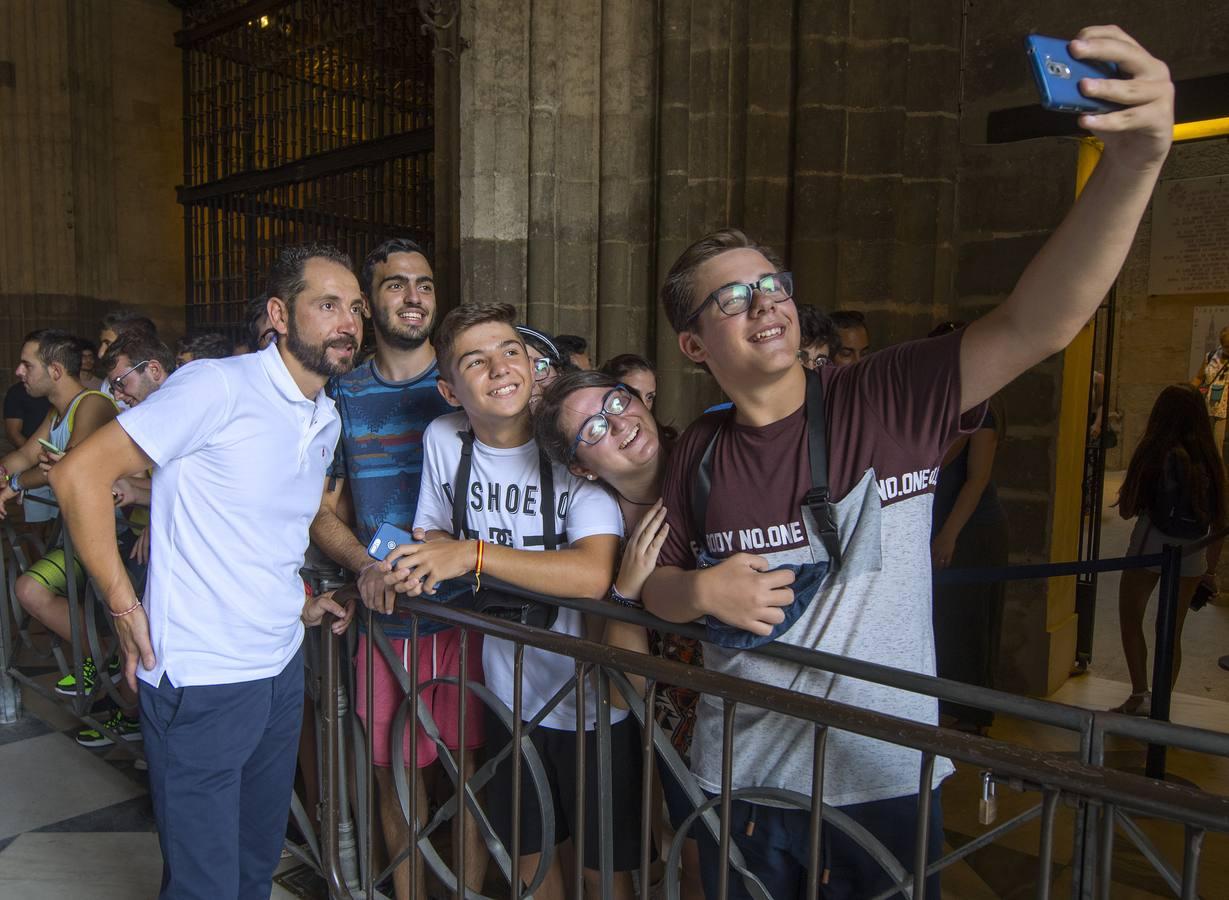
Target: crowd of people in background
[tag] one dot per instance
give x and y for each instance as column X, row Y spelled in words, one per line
column 799, row 511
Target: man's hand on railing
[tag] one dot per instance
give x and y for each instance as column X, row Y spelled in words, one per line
column 314, row 608
column 373, row 592
column 740, row 592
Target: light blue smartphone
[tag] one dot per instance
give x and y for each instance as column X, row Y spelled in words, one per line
column 1058, row 75
column 387, row 539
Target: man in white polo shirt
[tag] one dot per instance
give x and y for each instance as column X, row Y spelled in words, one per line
column 240, row 448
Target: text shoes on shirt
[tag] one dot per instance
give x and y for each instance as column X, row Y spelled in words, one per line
column 241, row 456
column 503, row 501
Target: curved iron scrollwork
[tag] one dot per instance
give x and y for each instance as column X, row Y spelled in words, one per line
column 438, row 17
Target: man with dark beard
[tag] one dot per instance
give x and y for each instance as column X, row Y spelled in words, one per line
column 239, row 448
column 385, row 405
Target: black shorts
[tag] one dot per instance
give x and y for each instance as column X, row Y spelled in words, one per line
column 557, row 750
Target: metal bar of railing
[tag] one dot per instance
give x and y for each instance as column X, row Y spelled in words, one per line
column 579, row 837
column 413, row 813
column 646, row 784
column 1150, row 852
column 921, row 846
column 1143, row 795
column 1045, row 848
column 605, row 790
column 727, row 775
column 814, row 861
column 1105, row 850
column 518, row 670
column 369, row 783
column 1190, row 863
column 329, row 717
column 458, row 852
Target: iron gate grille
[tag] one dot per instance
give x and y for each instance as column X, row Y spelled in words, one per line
column 303, row 120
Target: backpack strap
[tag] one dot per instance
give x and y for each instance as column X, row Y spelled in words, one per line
column 460, row 528
column 546, row 473
column 460, row 486
column 817, row 499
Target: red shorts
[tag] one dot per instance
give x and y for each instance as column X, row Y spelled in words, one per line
column 439, row 656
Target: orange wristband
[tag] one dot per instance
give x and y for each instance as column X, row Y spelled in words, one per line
column 478, row 565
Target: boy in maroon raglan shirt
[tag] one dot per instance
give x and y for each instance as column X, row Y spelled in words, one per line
column 889, row 419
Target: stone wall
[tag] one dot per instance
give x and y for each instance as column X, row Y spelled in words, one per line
column 90, row 156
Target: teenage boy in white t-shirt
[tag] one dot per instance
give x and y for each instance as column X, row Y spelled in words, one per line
column 485, row 370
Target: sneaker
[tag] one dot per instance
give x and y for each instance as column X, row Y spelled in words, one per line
column 68, row 684
column 126, row 728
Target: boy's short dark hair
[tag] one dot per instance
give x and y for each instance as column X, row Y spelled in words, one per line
column 210, row 345
column 461, row 319
column 137, row 346
column 678, row 291
column 286, row 279
column 618, row 366
column 848, row 318
column 814, row 327
column 381, row 254
column 571, row 343
column 56, row 346
column 122, row 321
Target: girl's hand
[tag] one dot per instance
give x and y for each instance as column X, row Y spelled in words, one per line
column 641, row 550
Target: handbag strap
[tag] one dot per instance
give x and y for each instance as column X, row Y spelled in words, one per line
column 460, row 525
column 817, row 499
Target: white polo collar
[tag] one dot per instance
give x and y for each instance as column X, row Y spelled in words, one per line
column 275, row 367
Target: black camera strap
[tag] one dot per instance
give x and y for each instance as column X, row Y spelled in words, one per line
column 460, row 525
column 817, row 499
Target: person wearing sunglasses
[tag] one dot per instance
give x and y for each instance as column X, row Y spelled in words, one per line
column 136, row 365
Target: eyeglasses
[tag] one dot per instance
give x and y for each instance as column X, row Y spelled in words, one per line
column 118, row 381
column 734, row 299
column 814, row 361
column 543, row 367
column 597, row 426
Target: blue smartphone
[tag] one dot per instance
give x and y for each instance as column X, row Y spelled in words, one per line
column 387, row 539
column 1058, row 75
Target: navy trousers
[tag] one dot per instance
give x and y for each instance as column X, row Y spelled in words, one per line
column 777, row 849
column 221, row 771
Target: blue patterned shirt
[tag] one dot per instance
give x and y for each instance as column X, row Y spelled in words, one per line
column 380, row 454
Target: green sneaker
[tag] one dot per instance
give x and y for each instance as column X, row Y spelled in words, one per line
column 68, row 684
column 126, row 728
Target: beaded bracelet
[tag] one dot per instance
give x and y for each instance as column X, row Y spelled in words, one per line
column 618, row 598
column 131, row 609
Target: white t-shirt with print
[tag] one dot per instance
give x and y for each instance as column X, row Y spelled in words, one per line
column 503, row 505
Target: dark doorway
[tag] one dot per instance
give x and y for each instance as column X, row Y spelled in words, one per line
column 303, row 120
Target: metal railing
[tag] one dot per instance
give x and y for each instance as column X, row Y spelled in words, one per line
column 340, row 833
column 84, row 605
column 1105, row 801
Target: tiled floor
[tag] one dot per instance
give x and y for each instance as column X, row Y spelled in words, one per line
column 75, row 821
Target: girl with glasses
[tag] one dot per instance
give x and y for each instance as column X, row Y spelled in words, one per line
column 601, row 428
